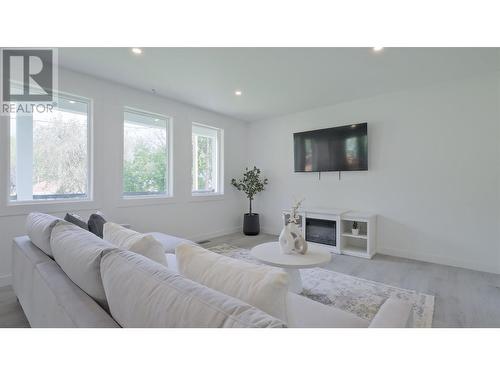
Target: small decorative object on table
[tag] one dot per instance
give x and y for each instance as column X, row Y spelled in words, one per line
column 291, row 240
column 355, row 228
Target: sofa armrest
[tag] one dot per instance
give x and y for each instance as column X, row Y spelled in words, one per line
column 394, row 313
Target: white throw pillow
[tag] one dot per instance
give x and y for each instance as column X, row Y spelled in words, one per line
column 127, row 239
column 261, row 286
column 39, row 228
column 78, row 252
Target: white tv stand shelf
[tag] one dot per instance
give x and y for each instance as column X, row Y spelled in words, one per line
column 344, row 241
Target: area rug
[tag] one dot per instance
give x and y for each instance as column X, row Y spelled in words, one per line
column 352, row 294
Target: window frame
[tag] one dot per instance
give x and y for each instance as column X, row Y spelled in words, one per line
column 169, row 195
column 219, row 192
column 90, row 161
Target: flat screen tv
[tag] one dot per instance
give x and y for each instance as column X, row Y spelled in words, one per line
column 343, row 148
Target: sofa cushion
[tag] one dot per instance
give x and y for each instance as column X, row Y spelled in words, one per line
column 261, row 286
column 78, row 252
column 39, row 228
column 142, row 293
column 58, row 302
column 169, row 242
column 172, row 262
column 127, row 239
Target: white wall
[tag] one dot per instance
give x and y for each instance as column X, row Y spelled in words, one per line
column 182, row 216
column 433, row 178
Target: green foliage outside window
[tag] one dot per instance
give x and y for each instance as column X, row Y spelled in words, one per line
column 204, row 159
column 146, row 172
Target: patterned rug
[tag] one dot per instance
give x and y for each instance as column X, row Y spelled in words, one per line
column 355, row 295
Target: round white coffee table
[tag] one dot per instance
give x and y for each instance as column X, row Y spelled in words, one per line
column 270, row 253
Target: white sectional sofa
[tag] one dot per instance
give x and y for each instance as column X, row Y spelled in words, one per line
column 65, row 276
column 47, row 295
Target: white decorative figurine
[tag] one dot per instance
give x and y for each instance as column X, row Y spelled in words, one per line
column 291, row 240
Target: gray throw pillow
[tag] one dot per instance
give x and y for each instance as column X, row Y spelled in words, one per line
column 77, row 220
column 96, row 224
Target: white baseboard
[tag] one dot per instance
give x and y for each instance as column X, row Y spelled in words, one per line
column 447, row 261
column 5, row 280
column 207, row 236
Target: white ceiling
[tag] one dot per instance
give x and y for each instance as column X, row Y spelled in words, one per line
column 277, row 81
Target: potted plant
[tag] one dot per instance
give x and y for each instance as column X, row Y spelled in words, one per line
column 250, row 184
column 355, row 228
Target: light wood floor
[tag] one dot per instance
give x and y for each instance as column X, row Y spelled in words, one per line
column 464, row 298
column 11, row 313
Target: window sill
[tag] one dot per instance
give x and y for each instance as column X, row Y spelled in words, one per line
column 206, row 197
column 46, row 201
column 150, row 200
column 54, row 206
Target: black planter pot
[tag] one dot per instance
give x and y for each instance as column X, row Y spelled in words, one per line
column 251, row 226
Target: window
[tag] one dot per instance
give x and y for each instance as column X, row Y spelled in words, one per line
column 49, row 153
column 145, row 155
column 206, row 170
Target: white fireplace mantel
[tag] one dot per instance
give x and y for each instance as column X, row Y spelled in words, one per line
column 362, row 244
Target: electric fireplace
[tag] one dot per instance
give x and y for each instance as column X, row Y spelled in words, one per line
column 321, row 231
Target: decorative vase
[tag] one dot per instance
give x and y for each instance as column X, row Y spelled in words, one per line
column 291, row 240
column 355, row 231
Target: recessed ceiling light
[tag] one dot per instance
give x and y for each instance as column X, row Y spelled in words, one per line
column 156, row 120
column 72, row 102
column 137, row 51
column 378, row 49
column 238, row 93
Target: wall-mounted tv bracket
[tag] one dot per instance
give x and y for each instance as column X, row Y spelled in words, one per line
column 319, row 176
